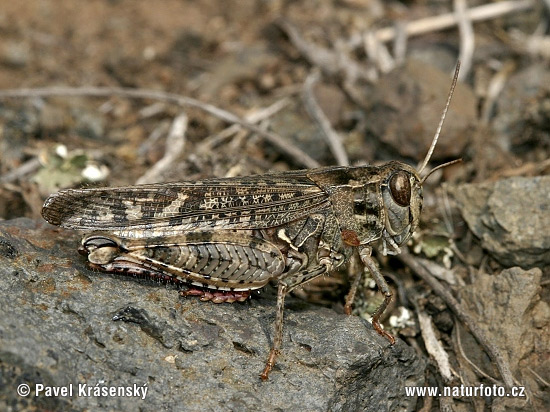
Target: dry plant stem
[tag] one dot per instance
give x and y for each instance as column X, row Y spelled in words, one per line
column 333, row 139
column 332, row 63
column 161, row 129
column 282, row 144
column 459, row 254
column 466, row 31
column 534, row 45
column 540, row 378
column 400, row 43
column 257, row 115
column 29, row 192
column 175, row 142
column 527, row 169
column 446, row 213
column 438, row 271
column 443, row 292
column 433, row 346
column 26, row 168
column 254, row 116
column 378, row 53
column 496, row 85
column 402, row 293
column 445, row 21
column 473, row 365
column 152, row 110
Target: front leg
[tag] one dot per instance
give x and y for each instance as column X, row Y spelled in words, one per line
column 368, row 261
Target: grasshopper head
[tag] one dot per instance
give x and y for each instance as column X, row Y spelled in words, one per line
column 401, row 190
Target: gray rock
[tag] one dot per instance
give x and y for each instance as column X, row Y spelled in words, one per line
column 510, row 307
column 57, row 327
column 511, row 217
column 522, row 111
column 504, row 305
column 406, row 106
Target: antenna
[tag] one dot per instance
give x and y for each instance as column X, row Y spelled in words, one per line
column 452, row 162
column 438, row 131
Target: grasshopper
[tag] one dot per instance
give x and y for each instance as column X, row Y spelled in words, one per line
column 225, row 237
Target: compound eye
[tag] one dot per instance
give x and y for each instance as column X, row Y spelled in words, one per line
column 400, row 188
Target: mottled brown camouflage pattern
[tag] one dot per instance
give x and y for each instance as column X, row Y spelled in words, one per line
column 234, row 235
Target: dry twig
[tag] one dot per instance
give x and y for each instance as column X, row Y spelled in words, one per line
column 465, row 357
column 527, row 169
column 400, row 43
column 333, row 139
column 466, row 32
column 433, row 346
column 282, row 144
column 540, row 378
column 332, row 63
column 175, row 142
column 161, row 129
column 496, row 85
column 26, row 168
column 254, row 116
column 445, row 21
column 378, row 52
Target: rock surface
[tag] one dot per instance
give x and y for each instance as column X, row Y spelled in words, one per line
column 511, row 308
column 57, row 328
column 406, row 106
column 511, row 217
column 506, row 307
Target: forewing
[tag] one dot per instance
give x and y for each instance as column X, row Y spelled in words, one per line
column 252, row 202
